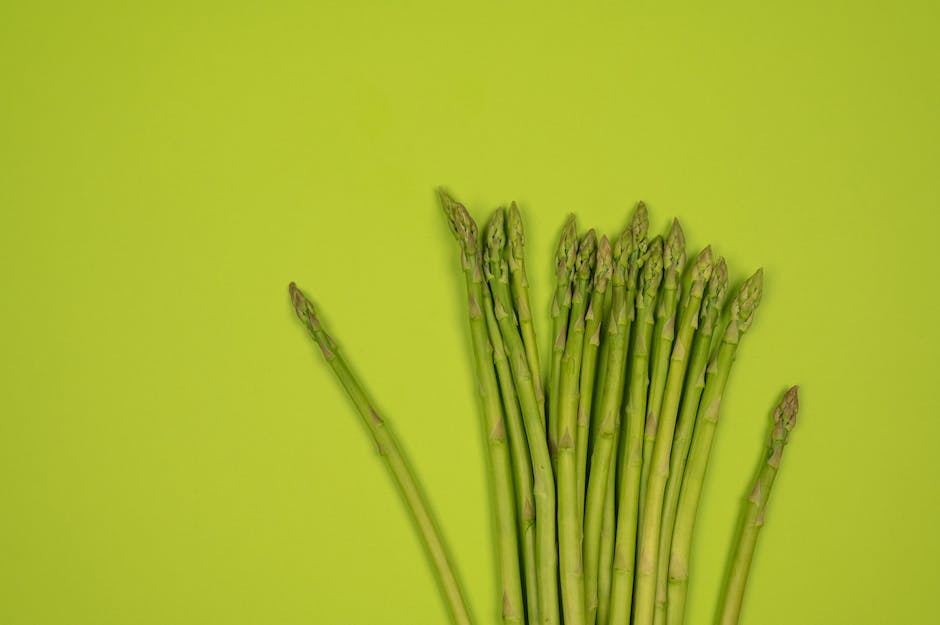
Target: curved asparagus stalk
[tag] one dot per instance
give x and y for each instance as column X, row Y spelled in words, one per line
column 565, row 257
column 497, row 274
column 592, row 338
column 784, row 420
column 651, row 519
column 706, row 419
column 621, row 592
column 569, row 523
column 519, row 283
column 663, row 335
column 521, row 463
column 694, row 384
column 513, row 610
column 628, row 254
column 394, row 459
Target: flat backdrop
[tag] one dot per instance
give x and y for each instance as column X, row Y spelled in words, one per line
column 174, row 451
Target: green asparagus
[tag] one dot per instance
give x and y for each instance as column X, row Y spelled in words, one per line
column 561, row 307
column 394, row 459
column 755, row 512
column 741, row 316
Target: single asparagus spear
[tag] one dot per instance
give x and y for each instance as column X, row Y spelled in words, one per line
column 561, row 307
column 394, row 459
column 513, row 610
column 497, row 274
column 621, row 593
column 605, row 560
column 628, row 254
column 521, row 463
column 569, row 523
column 519, row 284
column 694, row 384
column 716, row 379
column 784, row 420
column 663, row 335
column 659, row 465
column 592, row 338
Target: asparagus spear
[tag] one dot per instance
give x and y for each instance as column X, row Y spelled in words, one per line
column 621, row 593
column 706, row 419
column 784, row 420
column 521, row 463
column 592, row 338
column 513, row 610
column 605, row 560
column 695, row 382
column 520, row 294
column 497, row 274
column 664, row 333
column 628, row 254
column 561, row 306
column 569, row 523
column 394, row 459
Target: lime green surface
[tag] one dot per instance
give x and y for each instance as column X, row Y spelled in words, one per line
column 172, row 449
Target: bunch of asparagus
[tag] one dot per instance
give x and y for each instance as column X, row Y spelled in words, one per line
column 596, row 487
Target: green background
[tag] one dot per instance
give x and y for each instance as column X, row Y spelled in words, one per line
column 172, row 448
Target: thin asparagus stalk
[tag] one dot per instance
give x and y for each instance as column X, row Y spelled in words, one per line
column 694, row 384
column 628, row 254
column 497, row 274
column 706, row 419
column 513, row 610
column 592, row 338
column 569, row 523
column 651, row 519
column 519, row 284
column 621, row 593
column 605, row 560
column 521, row 463
column 755, row 512
column 561, row 307
column 394, row 459
column 663, row 335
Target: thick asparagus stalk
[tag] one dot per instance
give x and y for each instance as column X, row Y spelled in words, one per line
column 521, row 463
column 706, row 419
column 663, row 335
column 394, row 459
column 628, row 254
column 754, row 514
column 569, row 523
column 513, row 610
column 605, row 559
column 561, row 307
column 694, row 384
column 497, row 274
column 520, row 295
column 592, row 338
column 621, row 593
column 651, row 519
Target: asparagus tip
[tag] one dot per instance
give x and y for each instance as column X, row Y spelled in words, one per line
column 566, row 255
column 784, row 420
column 303, row 307
column 605, row 264
column 461, row 223
column 587, row 255
column 674, row 248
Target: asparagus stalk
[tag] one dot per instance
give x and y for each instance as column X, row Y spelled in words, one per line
column 651, row 519
column 664, row 333
column 394, row 459
column 605, row 560
column 561, row 307
column 706, row 419
column 519, row 284
column 754, row 514
column 694, row 384
column 497, row 274
column 621, row 593
column 592, row 338
column 521, row 463
column 628, row 254
column 569, row 523
column 513, row 610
